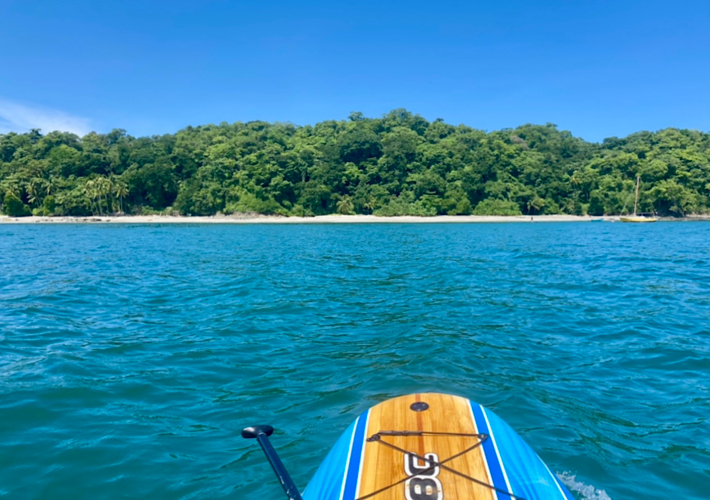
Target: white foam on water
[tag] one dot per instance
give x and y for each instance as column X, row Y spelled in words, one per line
column 587, row 491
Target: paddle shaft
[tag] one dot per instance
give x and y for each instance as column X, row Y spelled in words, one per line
column 276, row 464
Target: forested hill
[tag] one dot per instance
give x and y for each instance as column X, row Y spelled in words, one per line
column 399, row 164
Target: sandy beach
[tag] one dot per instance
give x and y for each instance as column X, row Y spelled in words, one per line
column 270, row 219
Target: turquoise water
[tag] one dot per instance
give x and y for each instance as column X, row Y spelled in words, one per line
column 131, row 357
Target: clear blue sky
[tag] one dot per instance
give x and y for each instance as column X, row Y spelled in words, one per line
column 598, row 68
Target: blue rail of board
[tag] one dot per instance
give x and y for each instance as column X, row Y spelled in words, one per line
column 514, row 467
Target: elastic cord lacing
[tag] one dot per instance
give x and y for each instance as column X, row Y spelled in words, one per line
column 377, row 438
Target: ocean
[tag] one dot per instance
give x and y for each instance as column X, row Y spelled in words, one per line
column 131, row 356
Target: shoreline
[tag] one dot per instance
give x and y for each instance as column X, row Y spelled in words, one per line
column 321, row 219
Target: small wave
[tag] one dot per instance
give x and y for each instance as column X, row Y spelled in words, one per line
column 587, row 491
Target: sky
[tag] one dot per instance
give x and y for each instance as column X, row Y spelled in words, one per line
column 598, row 68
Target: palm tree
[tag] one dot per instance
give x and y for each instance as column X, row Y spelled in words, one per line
column 87, row 194
column 121, row 190
column 105, row 186
column 35, row 188
column 32, row 194
column 91, row 193
column 13, row 186
column 345, row 206
column 49, row 186
column 97, row 193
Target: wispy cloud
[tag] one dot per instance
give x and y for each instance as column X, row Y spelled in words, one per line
column 15, row 117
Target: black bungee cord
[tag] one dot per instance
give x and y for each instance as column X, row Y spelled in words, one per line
column 377, row 438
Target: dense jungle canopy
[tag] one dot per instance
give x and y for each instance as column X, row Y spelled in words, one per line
column 399, row 164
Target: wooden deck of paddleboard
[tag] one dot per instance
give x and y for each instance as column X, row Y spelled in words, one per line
column 383, row 466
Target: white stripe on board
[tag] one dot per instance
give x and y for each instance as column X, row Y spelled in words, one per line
column 362, row 455
column 495, row 446
column 347, row 462
column 483, row 453
column 554, row 479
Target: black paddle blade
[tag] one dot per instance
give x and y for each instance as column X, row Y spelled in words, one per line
column 253, row 431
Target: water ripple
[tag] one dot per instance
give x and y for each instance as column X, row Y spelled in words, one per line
column 131, row 357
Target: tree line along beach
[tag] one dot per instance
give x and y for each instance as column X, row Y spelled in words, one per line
column 396, row 165
column 322, row 219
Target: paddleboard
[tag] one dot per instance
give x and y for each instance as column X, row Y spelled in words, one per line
column 432, row 446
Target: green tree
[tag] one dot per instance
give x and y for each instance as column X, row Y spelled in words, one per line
column 13, row 206
column 396, row 164
column 492, row 206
